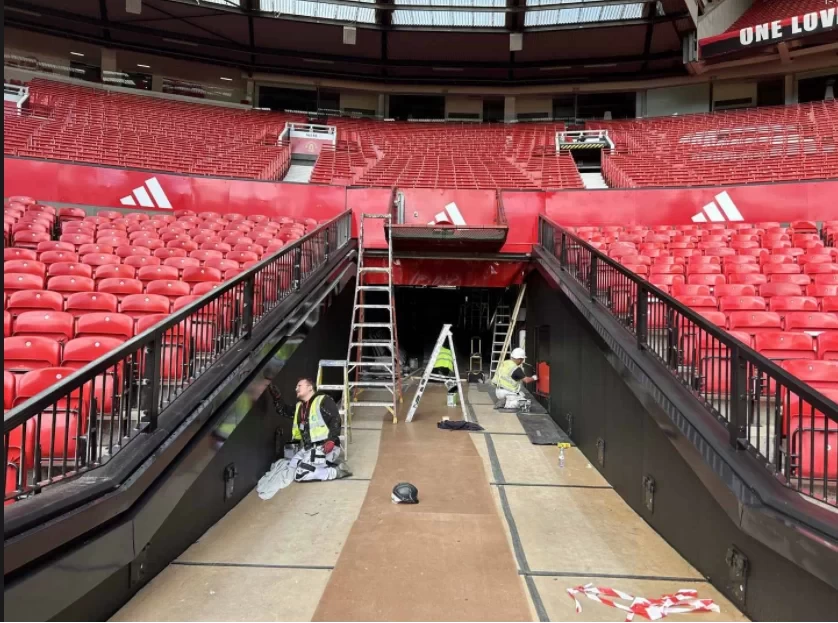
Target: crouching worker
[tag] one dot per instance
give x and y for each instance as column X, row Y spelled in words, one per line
column 444, row 364
column 508, row 378
column 316, row 429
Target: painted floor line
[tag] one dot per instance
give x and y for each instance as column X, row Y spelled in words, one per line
column 187, row 563
column 615, row 576
column 559, row 486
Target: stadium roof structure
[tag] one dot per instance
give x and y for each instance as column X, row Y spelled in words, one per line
column 396, row 41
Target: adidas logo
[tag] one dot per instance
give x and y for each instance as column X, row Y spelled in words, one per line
column 140, row 196
column 450, row 215
column 711, row 211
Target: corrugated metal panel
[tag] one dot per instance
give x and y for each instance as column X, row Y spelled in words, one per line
column 319, row 10
column 463, row 19
column 231, row 3
column 584, row 15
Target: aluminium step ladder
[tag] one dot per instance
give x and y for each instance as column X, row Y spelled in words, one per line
column 444, row 335
column 344, row 406
column 373, row 353
column 504, row 329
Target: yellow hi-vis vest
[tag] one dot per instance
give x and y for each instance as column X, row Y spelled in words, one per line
column 317, row 429
column 444, row 360
column 503, row 376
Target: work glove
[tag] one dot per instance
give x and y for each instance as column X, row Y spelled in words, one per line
column 328, row 446
column 534, row 377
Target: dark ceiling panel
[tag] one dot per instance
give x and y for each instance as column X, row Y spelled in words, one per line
column 314, row 38
column 153, row 10
column 89, row 8
column 451, row 46
column 429, row 74
column 577, row 73
column 315, row 67
column 153, row 44
column 664, row 39
column 583, row 43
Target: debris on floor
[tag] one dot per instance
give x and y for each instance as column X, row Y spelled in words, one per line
column 458, row 425
column 683, row 601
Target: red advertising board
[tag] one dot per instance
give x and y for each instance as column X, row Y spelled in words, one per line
column 116, row 188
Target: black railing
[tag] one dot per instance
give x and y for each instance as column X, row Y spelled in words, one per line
column 784, row 422
column 71, row 421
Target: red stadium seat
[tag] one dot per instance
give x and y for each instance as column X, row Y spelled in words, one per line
column 27, row 267
column 70, row 269
column 795, row 279
column 828, row 346
column 30, row 353
column 699, row 303
column 55, row 325
column 820, row 269
column 707, row 280
column 68, row 285
column 100, row 259
column 818, row 374
column 8, row 390
column 784, row 304
column 114, row 271
column 139, row 305
column 105, row 324
column 785, row 345
column 221, row 264
column 14, row 282
column 7, row 324
column 14, row 253
column 820, row 290
column 81, row 351
column 29, row 239
column 152, row 273
column 690, row 290
column 754, row 322
column 85, row 249
column 774, row 269
column 120, row 287
column 735, row 290
column 181, row 262
column 202, row 255
column 86, row 302
column 741, row 303
column 812, row 323
column 770, row 290
column 127, row 250
column 194, row 275
column 33, row 300
column 140, row 261
column 168, row 288
column 175, row 347
column 199, row 289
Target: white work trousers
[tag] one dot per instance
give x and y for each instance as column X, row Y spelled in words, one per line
column 315, row 464
column 512, row 398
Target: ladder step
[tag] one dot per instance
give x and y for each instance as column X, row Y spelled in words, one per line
column 331, row 388
column 368, row 403
column 375, row 269
column 332, row 363
column 370, row 384
column 375, row 288
column 372, row 344
column 372, row 364
column 374, row 325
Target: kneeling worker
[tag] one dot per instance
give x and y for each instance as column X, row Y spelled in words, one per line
column 508, row 378
column 317, row 429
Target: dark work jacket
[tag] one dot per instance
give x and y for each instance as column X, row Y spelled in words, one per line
column 328, row 409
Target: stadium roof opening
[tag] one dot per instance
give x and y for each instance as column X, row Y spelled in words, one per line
column 320, row 10
column 598, row 12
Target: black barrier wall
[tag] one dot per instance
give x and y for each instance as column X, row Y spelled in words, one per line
column 591, row 398
column 242, row 441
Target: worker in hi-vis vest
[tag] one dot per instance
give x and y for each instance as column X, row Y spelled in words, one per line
column 444, row 364
column 316, row 429
column 508, row 378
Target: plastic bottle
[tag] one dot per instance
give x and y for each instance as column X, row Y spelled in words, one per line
column 561, row 458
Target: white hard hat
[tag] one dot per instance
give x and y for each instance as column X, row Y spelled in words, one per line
column 518, row 353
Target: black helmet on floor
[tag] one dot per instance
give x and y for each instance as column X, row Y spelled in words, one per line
column 405, row 493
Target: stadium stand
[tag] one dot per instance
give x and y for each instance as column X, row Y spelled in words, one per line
column 91, row 126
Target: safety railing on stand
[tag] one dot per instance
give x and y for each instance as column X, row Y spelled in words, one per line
column 785, row 423
column 67, row 422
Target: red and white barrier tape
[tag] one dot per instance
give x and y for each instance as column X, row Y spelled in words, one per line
column 683, row 601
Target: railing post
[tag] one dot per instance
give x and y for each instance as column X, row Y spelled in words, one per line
column 328, row 246
column 563, row 252
column 642, row 328
column 248, row 303
column 738, row 407
column 154, row 355
column 592, row 277
column 296, row 271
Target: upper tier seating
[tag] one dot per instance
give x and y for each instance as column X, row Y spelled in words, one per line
column 766, row 11
column 80, row 124
column 67, row 122
column 784, row 143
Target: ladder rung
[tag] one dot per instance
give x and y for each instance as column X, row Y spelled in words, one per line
column 366, row 403
column 370, row 383
column 375, row 269
column 371, row 364
column 332, row 363
column 331, row 388
column 372, row 306
column 374, row 325
column 385, row 217
column 372, row 344
column 375, row 288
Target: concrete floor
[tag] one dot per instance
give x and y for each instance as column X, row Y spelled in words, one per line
column 500, row 533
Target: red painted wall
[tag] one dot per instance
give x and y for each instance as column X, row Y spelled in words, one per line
column 522, row 210
column 478, row 207
column 676, row 206
column 105, row 187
